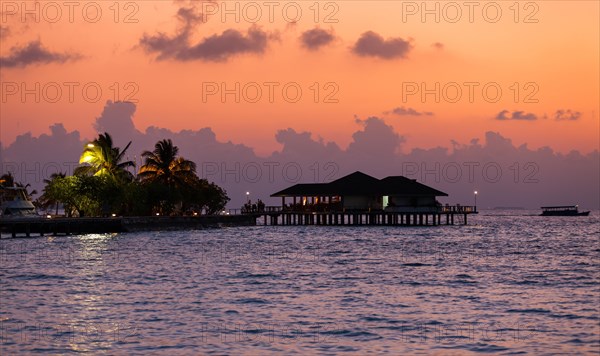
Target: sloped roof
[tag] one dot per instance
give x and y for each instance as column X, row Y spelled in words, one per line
column 297, row 190
column 359, row 183
column 354, row 183
column 400, row 185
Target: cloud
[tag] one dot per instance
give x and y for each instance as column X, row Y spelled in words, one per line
column 316, row 38
column 371, row 44
column 567, row 115
column 516, row 115
column 402, row 111
column 231, row 42
column 438, row 45
column 190, row 16
column 4, row 32
column 489, row 163
column 117, row 118
column 376, row 140
column 34, row 53
column 215, row 48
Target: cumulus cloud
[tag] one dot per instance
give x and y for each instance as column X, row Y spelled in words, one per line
column 377, row 139
column 117, row 118
column 316, row 38
column 371, row 44
column 34, row 53
column 488, row 164
column 215, row 48
column 516, row 115
column 567, row 115
column 402, row 111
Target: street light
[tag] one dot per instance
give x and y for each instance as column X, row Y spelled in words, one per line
column 248, row 197
column 475, row 194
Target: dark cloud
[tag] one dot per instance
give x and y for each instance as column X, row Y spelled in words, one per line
column 316, row 38
column 488, row 164
column 371, row 44
column 4, row 32
column 231, row 42
column 215, row 48
column 376, row 140
column 190, row 16
column 568, row 115
column 402, row 111
column 34, row 53
column 516, row 115
column 117, row 118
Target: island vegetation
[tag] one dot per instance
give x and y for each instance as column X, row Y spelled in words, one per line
column 106, row 183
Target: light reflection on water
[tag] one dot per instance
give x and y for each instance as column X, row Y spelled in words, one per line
column 506, row 284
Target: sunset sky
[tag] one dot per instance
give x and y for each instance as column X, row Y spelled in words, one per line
column 366, row 57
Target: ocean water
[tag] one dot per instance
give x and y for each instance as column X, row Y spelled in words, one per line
column 508, row 283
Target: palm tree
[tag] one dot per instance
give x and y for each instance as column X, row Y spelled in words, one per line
column 164, row 166
column 51, row 194
column 101, row 158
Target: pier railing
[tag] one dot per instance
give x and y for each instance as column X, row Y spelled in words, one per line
column 459, row 209
column 337, row 208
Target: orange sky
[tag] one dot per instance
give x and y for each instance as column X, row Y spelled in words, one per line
column 558, row 55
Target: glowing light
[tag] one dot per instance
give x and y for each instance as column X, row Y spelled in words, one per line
column 90, row 145
column 87, row 157
column 195, row 214
column 49, row 216
column 113, row 215
column 157, row 214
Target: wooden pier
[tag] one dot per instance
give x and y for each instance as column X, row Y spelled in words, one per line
column 447, row 215
column 76, row 226
column 272, row 215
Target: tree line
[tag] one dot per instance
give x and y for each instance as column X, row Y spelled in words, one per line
column 103, row 184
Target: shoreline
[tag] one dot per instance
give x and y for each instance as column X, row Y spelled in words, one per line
column 14, row 228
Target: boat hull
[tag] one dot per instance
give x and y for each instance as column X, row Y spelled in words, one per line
column 565, row 213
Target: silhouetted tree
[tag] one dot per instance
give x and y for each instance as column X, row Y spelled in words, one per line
column 100, row 158
column 167, row 174
column 164, row 166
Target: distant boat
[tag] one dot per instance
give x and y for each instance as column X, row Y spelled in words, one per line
column 14, row 203
column 568, row 210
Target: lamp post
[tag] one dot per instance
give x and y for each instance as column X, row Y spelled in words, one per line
column 475, row 195
column 248, row 197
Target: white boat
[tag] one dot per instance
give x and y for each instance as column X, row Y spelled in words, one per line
column 14, row 203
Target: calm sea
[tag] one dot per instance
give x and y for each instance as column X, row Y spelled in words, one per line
column 508, row 283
